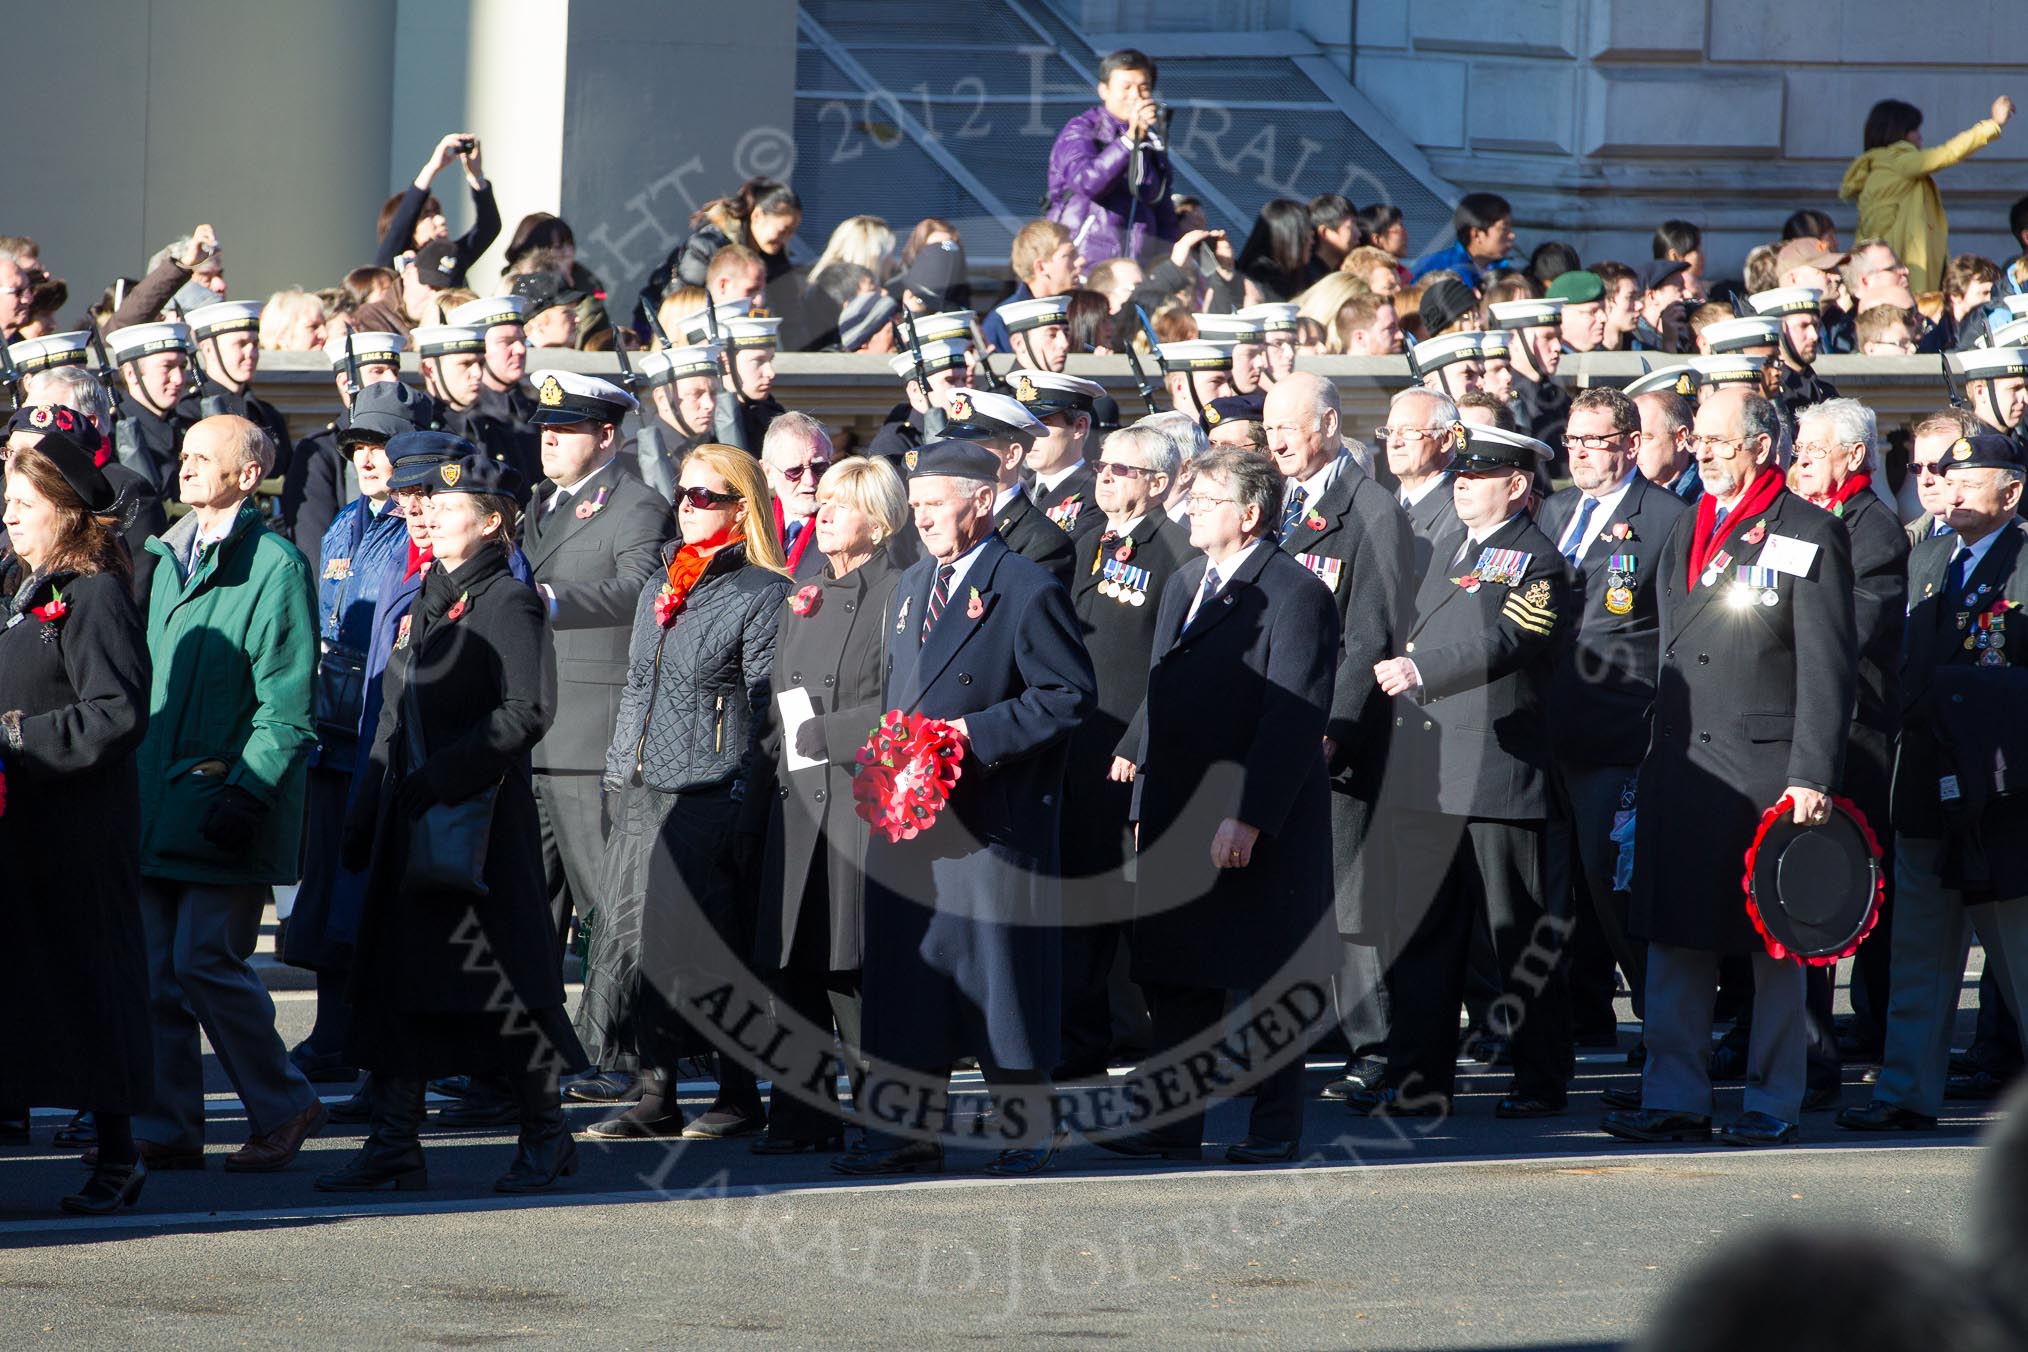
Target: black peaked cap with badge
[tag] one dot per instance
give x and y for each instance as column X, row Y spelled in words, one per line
column 416, row 456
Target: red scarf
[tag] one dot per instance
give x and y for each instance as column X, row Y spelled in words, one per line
column 418, row 559
column 1709, row 535
column 1847, row 491
column 795, row 551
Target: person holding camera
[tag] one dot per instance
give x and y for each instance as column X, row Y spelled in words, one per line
column 1109, row 169
column 414, row 218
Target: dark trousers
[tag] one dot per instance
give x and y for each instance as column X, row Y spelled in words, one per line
column 1102, row 1006
column 573, row 844
column 828, row 1000
column 1181, row 1013
column 1454, row 873
column 1593, row 797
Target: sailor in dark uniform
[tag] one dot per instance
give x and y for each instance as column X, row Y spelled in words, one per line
column 452, row 358
column 1007, row 429
column 505, row 398
column 1799, row 312
column 1057, row 474
column 1996, row 386
column 321, row 479
column 228, row 353
column 1195, row 372
column 1279, row 321
column 1535, row 351
column 679, row 389
column 749, row 365
column 946, row 364
column 154, row 361
column 1452, row 364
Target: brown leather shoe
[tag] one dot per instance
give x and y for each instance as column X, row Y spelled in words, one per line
column 158, row 1158
column 277, row 1149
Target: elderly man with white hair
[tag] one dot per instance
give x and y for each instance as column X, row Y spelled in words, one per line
column 1192, row 444
column 1836, row 466
column 1350, row 532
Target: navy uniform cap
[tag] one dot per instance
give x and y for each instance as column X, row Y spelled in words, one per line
column 416, row 456
column 955, row 459
column 1983, row 450
column 567, row 397
column 476, row 473
column 1488, row 450
column 1235, row 407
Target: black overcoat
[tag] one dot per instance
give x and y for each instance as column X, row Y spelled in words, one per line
column 74, row 983
column 963, row 945
column 1237, row 706
column 1749, row 699
column 1034, row 536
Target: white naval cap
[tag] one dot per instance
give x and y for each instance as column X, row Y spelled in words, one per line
column 368, row 348
column 487, row 311
column 50, row 351
column 672, row 364
column 139, row 340
column 437, row 340
column 1047, row 392
column 1526, row 314
column 572, row 397
column 976, row 413
column 1239, row 328
column 1276, row 316
column 938, row 354
column 1022, row 315
column 227, row 316
column 1787, row 300
column 1747, row 331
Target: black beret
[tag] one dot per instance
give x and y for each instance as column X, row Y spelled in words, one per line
column 957, row 459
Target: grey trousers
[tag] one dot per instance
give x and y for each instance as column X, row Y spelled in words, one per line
column 573, row 844
column 199, row 939
column 1682, row 989
column 1932, row 937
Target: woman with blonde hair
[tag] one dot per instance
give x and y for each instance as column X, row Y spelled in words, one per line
column 680, row 874
column 293, row 321
column 865, row 240
column 813, row 874
column 1325, row 298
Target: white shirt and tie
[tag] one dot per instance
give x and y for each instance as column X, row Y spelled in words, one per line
column 1592, row 513
column 1217, row 577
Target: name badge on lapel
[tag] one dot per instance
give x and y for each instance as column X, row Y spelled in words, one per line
column 1328, row 570
column 1786, row 554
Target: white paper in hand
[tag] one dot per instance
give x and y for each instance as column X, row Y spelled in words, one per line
column 796, row 711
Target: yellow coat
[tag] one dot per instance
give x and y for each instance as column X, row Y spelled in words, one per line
column 1898, row 200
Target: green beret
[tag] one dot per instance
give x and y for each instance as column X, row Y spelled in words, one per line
column 1577, row 288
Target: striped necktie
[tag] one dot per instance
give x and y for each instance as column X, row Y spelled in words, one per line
column 939, row 598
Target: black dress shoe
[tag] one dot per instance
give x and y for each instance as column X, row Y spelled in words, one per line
column 1260, row 1150
column 1526, row 1105
column 1025, row 1161
column 604, row 1086
column 1880, row 1115
column 1388, row 1102
column 772, row 1144
column 486, row 1104
column 322, row 1067
column 82, row 1130
column 358, row 1108
column 1366, row 1073
column 160, row 1158
column 110, row 1187
column 1822, row 1097
column 910, row 1157
column 452, row 1086
column 1654, row 1125
column 722, row 1122
column 1755, row 1129
column 1618, row 1096
column 1142, row 1146
column 1974, row 1087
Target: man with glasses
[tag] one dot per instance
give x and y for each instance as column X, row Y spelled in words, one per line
column 1420, row 435
column 593, row 536
column 1930, row 442
column 1753, row 705
column 1610, row 525
column 1123, row 569
column 1345, row 528
column 1879, row 277
column 795, row 452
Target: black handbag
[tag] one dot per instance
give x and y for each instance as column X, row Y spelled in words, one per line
column 447, row 844
column 340, row 693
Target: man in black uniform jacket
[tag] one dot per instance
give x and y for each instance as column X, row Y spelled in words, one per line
column 505, row 400
column 1346, row 529
column 1472, row 756
column 1056, row 472
column 1535, row 351
column 1799, row 311
column 452, row 358
column 1124, row 564
column 228, row 342
column 154, row 361
column 1005, row 428
column 1753, row 703
column 750, row 343
column 682, row 387
column 1610, row 527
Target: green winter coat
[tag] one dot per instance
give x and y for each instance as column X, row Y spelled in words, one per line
column 234, row 642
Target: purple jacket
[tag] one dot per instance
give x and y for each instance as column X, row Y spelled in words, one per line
column 1088, row 188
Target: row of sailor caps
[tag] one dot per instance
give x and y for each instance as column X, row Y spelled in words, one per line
column 1991, row 363
column 441, row 340
column 1526, row 314
column 1787, row 300
column 708, row 325
column 939, row 327
column 1233, row 328
column 737, row 332
column 1448, row 349
column 140, row 340
column 1045, row 392
column 50, row 351
column 1022, row 315
column 672, row 364
column 368, row 349
column 1728, row 368
column 227, row 316
column 1197, row 354
column 938, row 354
column 1743, row 334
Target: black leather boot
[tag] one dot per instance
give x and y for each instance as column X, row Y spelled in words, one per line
column 545, row 1151
column 392, row 1156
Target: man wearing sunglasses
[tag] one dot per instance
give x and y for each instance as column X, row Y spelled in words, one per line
column 593, row 536
column 1928, row 447
column 794, row 455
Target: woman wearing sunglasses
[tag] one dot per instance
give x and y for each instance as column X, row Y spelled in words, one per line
column 679, row 873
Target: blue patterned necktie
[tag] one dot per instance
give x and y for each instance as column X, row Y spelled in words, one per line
column 1292, row 514
column 1212, row 582
column 1578, row 536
